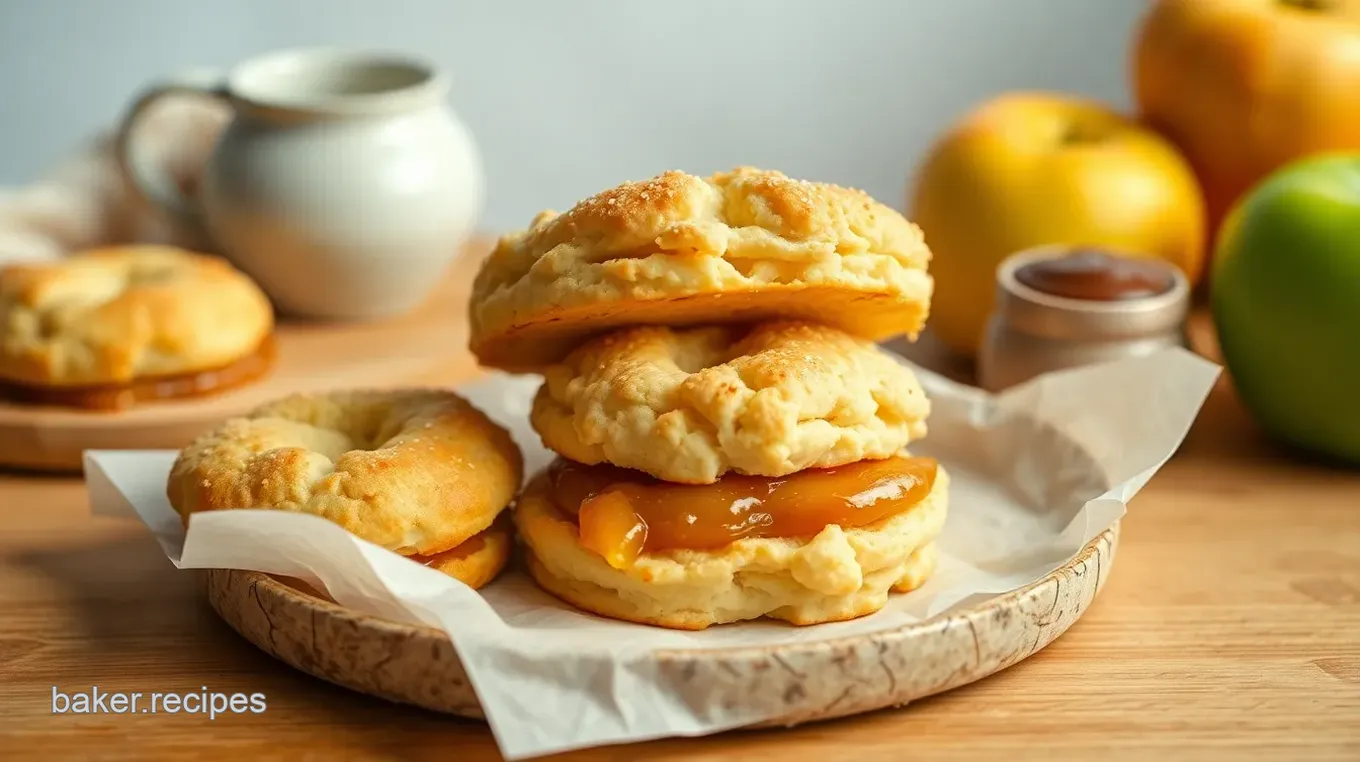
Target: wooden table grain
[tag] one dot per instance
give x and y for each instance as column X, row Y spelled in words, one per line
column 1230, row 629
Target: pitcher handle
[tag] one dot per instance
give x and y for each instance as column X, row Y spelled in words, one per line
column 151, row 184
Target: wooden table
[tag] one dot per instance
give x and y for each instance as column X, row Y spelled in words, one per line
column 1230, row 629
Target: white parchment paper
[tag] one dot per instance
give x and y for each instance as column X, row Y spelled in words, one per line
column 1037, row 473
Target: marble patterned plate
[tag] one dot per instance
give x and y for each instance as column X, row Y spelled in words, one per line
column 804, row 682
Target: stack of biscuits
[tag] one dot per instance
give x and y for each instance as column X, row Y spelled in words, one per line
column 732, row 440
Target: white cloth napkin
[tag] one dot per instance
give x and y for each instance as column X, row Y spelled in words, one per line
column 83, row 202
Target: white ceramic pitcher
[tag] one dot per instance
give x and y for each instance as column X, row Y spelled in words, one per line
column 344, row 183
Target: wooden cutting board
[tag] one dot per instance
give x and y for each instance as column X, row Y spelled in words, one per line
column 412, row 349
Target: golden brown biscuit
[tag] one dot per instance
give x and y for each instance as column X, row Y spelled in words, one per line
column 690, row 405
column 114, row 316
column 477, row 561
column 418, row 472
column 739, row 246
column 838, row 574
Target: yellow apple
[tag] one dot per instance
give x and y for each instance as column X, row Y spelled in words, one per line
column 1028, row 169
column 1244, row 87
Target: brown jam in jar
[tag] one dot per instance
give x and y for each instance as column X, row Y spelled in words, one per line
column 1061, row 306
column 1093, row 275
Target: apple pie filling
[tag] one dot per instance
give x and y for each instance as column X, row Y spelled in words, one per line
column 623, row 513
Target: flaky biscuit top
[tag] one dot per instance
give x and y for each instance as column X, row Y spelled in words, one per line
column 417, row 471
column 744, row 213
column 689, row 405
column 752, row 234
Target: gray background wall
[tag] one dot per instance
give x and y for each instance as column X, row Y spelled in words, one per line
column 566, row 98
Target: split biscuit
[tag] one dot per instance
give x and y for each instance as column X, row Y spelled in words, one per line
column 690, row 405
column 115, row 316
column 740, row 246
column 478, row 560
column 839, row 574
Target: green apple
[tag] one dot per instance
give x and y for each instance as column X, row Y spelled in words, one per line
column 1286, row 301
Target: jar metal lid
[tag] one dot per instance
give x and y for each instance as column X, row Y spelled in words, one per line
column 1055, row 317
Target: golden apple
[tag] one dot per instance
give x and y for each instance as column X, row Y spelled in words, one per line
column 1245, row 86
column 1028, row 169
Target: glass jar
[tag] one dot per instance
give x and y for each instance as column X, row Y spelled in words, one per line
column 1088, row 306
